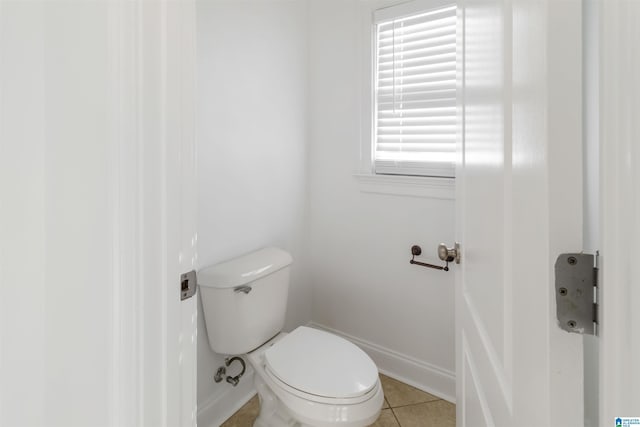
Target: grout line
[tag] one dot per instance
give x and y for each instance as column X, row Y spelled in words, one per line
column 394, row 416
column 417, row 403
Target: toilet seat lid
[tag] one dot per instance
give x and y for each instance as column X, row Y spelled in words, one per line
column 323, row 364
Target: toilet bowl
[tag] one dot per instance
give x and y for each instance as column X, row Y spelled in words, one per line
column 304, row 378
column 313, row 378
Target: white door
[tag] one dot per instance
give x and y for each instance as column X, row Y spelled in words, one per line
column 519, row 205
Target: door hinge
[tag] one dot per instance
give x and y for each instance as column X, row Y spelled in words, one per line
column 577, row 292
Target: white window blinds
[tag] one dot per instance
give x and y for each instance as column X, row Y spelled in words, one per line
column 415, row 91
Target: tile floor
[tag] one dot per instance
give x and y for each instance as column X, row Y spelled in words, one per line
column 404, row 406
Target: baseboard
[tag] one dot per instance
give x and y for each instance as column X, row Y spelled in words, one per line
column 218, row 408
column 417, row 373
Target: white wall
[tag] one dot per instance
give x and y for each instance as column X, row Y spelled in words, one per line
column 363, row 284
column 54, row 246
column 96, row 140
column 22, row 201
column 265, row 98
column 252, row 155
column 619, row 132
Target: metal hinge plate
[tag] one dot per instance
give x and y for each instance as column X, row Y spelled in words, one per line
column 576, row 293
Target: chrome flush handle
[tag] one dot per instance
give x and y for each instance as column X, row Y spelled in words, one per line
column 245, row 289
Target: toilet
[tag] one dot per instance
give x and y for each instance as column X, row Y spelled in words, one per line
column 307, row 377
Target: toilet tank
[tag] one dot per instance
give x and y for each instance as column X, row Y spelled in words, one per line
column 244, row 300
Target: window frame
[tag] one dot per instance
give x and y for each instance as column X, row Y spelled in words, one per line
column 369, row 180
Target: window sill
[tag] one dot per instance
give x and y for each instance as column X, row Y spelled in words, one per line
column 410, row 186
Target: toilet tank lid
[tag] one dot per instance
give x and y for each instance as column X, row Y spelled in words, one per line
column 244, row 269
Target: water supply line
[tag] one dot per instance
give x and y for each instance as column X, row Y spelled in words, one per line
column 222, row 370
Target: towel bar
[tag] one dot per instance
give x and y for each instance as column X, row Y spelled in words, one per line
column 417, row 250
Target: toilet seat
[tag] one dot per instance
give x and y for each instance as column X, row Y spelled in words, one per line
column 321, row 367
column 282, row 404
column 307, row 397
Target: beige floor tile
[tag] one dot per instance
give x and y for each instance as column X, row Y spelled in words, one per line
column 431, row 414
column 245, row 416
column 407, row 402
column 400, row 394
column 386, row 419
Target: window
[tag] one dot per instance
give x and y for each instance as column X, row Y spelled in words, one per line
column 414, row 99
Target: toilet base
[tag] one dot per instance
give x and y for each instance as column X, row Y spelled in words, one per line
column 274, row 413
column 271, row 413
